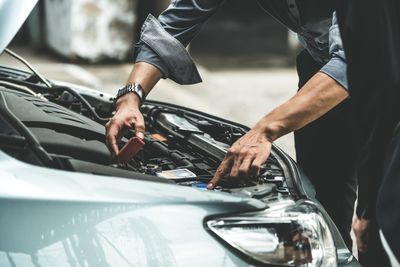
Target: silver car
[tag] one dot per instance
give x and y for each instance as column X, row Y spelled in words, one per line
column 64, row 202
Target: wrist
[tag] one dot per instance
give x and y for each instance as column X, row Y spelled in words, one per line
column 135, row 88
column 130, row 99
column 131, row 93
column 271, row 130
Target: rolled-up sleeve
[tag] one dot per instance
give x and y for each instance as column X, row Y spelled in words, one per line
column 162, row 42
column 336, row 67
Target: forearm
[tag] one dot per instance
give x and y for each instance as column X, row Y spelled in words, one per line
column 319, row 95
column 146, row 75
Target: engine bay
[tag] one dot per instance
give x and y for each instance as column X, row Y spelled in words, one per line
column 54, row 128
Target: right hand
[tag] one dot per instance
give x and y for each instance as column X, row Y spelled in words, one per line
column 127, row 116
column 244, row 158
column 360, row 227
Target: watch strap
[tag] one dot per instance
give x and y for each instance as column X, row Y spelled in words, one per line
column 132, row 88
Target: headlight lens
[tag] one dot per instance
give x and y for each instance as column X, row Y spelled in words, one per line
column 291, row 236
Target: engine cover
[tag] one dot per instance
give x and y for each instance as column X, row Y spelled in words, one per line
column 58, row 129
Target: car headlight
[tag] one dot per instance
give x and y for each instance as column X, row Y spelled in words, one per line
column 294, row 235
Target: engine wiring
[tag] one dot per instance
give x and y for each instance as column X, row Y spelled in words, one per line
column 86, row 104
column 18, row 87
column 26, row 63
column 58, row 89
column 11, row 83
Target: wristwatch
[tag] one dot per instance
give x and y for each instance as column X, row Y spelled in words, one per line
column 132, row 88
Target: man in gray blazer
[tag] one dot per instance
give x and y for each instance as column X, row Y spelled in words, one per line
column 324, row 145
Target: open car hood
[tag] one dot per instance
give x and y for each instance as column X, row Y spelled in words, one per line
column 12, row 16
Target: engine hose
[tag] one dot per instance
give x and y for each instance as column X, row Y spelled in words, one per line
column 44, row 89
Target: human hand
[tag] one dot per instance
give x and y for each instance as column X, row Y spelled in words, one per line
column 244, row 158
column 127, row 116
column 360, row 227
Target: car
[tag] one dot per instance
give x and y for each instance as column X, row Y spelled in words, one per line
column 65, row 202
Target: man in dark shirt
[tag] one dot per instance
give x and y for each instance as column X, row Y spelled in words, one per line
column 324, row 148
column 375, row 90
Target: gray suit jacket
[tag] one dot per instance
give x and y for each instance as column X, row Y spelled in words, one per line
column 163, row 40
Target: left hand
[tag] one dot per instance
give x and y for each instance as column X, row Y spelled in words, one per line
column 244, row 158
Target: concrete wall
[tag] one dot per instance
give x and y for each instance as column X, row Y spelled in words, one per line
column 89, row 29
column 244, row 35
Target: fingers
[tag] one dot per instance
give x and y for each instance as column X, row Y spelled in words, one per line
column 242, row 161
column 139, row 127
column 248, row 162
column 234, row 173
column 222, row 170
column 112, row 130
column 237, row 156
column 119, row 123
column 244, row 168
column 255, row 166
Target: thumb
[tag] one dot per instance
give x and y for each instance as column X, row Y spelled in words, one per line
column 140, row 135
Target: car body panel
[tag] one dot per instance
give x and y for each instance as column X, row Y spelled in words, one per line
column 24, row 181
column 59, row 233
column 57, row 218
column 12, row 16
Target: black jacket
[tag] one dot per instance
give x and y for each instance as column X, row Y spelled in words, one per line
column 371, row 30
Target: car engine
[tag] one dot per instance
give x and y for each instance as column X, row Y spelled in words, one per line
column 62, row 127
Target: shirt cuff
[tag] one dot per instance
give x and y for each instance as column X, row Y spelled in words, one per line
column 143, row 53
column 336, row 68
column 159, row 48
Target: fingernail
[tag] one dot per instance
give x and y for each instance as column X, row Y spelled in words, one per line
column 210, row 186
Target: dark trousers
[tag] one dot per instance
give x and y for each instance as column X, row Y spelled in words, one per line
column 327, row 153
column 388, row 206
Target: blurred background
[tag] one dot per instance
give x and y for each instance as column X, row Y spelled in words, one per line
column 245, row 57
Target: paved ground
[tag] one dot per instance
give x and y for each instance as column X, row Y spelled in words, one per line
column 241, row 95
